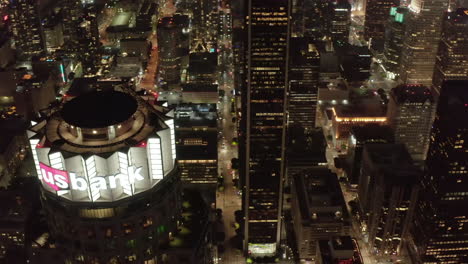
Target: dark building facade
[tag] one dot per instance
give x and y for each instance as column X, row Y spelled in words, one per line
column 388, row 192
column 358, row 139
column 377, row 12
column 394, row 36
column 339, row 21
column 169, row 39
column 439, row 232
column 265, row 122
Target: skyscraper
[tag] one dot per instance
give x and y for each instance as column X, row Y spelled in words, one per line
column 169, row 57
column 26, row 27
column 394, row 36
column 377, row 12
column 440, row 230
column 304, row 70
column 410, row 113
column 81, row 32
column 72, row 12
column 388, row 191
column 452, row 57
column 110, row 190
column 421, row 40
column 267, row 65
column 339, row 21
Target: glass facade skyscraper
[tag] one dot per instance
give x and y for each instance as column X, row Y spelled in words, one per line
column 421, row 40
column 267, row 66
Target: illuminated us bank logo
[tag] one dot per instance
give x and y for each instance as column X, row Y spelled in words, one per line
column 60, row 180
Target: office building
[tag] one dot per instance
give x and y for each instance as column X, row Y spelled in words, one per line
column 197, row 145
column 72, row 13
column 452, row 58
column 395, row 29
column 440, row 232
column 145, row 16
column 360, row 137
column 346, row 117
column 12, row 148
column 26, row 27
column 169, row 57
column 203, row 67
column 318, row 210
column 136, row 47
column 200, row 93
column 340, row 249
column 377, row 13
column 206, row 14
column 305, row 150
column 15, row 226
column 303, row 83
column 53, row 34
column 410, row 114
column 109, row 184
column 388, row 189
column 315, row 18
column 339, row 21
column 88, row 40
column 81, row 32
column 265, row 121
column 355, row 63
column 424, row 23
column 33, row 94
column 7, row 54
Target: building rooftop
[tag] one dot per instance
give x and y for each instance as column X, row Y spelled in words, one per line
column 460, row 15
column 357, row 111
column 320, row 197
column 342, row 243
column 99, row 109
column 306, row 147
column 9, row 129
column 394, row 162
column 166, row 23
column 81, row 85
column 412, row 94
column 203, row 62
column 199, row 87
column 195, row 115
column 372, row 131
column 196, row 145
column 329, row 62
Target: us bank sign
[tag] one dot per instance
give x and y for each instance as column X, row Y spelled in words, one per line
column 104, row 188
column 60, row 180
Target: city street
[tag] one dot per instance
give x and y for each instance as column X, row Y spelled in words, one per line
column 228, row 200
column 108, row 14
column 148, row 80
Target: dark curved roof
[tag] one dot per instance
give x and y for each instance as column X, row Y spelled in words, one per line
column 99, row 109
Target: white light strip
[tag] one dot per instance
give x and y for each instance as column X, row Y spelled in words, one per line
column 170, row 124
column 127, row 187
column 33, row 143
column 155, row 157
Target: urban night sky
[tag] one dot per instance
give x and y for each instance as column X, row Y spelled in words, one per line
column 234, row 131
